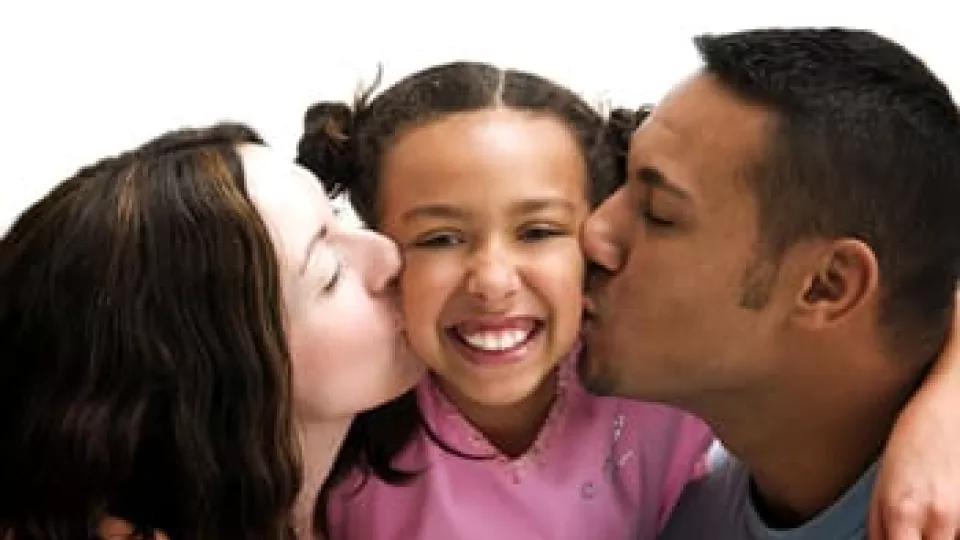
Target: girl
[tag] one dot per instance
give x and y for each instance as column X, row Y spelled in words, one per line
column 173, row 322
column 483, row 177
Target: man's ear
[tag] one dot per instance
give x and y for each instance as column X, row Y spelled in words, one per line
column 843, row 279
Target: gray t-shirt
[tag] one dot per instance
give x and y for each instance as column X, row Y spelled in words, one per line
column 719, row 507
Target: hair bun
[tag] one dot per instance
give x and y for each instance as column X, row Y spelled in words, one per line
column 326, row 146
column 620, row 127
column 623, row 122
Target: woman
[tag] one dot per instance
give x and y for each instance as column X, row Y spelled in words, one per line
column 175, row 323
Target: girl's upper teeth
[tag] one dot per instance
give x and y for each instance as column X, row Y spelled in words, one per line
column 499, row 340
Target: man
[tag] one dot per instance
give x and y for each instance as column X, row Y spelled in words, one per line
column 781, row 261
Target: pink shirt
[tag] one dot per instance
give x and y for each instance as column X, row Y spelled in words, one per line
column 601, row 468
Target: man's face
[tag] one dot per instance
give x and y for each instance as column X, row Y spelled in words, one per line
column 687, row 306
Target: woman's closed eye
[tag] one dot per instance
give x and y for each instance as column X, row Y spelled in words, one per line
column 328, row 267
column 334, row 279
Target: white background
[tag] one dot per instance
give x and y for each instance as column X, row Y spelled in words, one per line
column 81, row 79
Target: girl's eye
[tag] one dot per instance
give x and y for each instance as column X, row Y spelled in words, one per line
column 541, row 232
column 438, row 240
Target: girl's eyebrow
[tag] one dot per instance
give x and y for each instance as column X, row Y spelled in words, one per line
column 532, row 206
column 442, row 211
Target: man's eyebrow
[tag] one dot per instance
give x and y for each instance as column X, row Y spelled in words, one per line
column 655, row 178
column 311, row 246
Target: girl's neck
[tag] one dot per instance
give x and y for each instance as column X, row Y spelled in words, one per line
column 319, row 443
column 512, row 429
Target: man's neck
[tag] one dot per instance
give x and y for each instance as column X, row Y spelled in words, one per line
column 807, row 440
column 320, row 442
column 789, row 489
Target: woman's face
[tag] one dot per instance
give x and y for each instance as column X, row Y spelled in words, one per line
column 347, row 349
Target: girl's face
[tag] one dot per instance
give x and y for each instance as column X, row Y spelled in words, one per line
column 347, row 350
column 487, row 208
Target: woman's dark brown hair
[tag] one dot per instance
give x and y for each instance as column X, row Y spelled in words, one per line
column 344, row 146
column 144, row 373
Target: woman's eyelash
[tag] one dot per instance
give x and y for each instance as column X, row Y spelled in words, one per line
column 335, row 278
column 338, row 268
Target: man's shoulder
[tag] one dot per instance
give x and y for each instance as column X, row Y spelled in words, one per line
column 719, row 506
column 714, row 506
